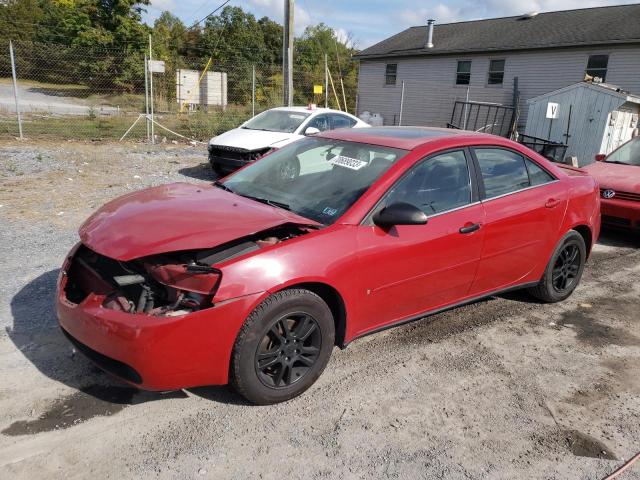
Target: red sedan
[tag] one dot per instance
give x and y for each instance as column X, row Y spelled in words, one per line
column 619, row 177
column 253, row 280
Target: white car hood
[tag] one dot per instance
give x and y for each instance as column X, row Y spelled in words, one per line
column 251, row 139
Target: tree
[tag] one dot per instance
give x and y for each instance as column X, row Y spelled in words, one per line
column 311, row 47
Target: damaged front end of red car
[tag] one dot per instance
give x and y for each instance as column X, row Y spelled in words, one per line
column 170, row 284
column 152, row 321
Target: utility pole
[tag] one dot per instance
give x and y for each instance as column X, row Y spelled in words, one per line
column 287, row 52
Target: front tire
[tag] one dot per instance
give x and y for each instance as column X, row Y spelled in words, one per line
column 564, row 270
column 283, row 347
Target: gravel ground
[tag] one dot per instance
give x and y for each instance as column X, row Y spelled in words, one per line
column 504, row 388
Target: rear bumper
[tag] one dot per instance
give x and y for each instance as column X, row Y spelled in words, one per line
column 621, row 214
column 153, row 352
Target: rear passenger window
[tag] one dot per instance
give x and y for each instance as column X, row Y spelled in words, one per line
column 436, row 185
column 502, row 171
column 340, row 121
column 537, row 175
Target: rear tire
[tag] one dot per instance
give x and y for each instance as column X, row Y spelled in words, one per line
column 564, row 270
column 283, row 347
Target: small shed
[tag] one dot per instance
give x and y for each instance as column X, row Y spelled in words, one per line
column 198, row 88
column 590, row 118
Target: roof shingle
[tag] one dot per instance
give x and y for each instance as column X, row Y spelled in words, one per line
column 589, row 26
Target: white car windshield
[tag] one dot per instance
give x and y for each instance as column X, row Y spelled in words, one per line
column 276, row 121
column 317, row 178
column 628, row 154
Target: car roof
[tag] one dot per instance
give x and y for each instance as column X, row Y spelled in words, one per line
column 313, row 111
column 406, row 138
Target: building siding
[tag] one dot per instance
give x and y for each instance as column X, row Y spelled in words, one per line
column 430, row 89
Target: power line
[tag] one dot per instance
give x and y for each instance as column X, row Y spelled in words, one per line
column 196, row 11
column 212, row 13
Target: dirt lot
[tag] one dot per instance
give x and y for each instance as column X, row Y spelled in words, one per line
column 505, row 388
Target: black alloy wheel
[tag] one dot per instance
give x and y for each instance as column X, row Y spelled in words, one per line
column 283, row 347
column 566, row 268
column 288, row 351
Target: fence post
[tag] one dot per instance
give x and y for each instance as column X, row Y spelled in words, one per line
column 253, row 90
column 153, row 137
column 401, row 105
column 146, row 95
column 464, row 124
column 15, row 88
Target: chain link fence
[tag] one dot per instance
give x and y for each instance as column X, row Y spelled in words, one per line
column 99, row 94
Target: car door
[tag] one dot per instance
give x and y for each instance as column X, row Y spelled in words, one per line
column 524, row 207
column 406, row 270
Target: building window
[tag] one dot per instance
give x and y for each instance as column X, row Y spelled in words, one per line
column 496, row 72
column 463, row 72
column 597, row 66
column 391, row 74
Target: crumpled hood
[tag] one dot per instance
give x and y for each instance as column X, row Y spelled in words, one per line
column 252, row 139
column 625, row 178
column 174, row 217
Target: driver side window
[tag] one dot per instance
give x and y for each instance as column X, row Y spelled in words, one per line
column 436, row 185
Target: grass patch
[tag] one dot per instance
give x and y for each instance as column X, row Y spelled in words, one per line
column 197, row 125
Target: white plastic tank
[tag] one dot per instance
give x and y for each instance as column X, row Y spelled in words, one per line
column 365, row 116
column 376, row 120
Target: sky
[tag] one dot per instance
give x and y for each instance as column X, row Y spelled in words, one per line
column 367, row 22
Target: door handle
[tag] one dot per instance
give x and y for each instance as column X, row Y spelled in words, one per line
column 552, row 203
column 470, row 228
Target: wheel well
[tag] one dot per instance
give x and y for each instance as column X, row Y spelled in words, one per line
column 585, row 232
column 334, row 300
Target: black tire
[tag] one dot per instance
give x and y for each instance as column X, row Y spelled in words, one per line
column 278, row 354
column 564, row 270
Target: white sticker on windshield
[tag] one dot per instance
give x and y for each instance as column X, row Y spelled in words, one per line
column 297, row 117
column 347, row 162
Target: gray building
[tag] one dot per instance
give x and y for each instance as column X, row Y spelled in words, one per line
column 479, row 60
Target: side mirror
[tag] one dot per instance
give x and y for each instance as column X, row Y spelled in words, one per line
column 600, row 157
column 311, row 131
column 400, row 214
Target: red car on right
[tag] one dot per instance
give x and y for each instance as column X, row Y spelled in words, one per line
column 619, row 177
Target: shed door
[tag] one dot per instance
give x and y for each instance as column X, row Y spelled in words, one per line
column 619, row 130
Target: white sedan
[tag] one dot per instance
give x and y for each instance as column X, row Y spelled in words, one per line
column 271, row 130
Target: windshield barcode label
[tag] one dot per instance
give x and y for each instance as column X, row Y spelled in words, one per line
column 346, row 162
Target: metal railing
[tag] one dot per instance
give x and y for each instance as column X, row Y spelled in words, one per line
column 492, row 118
column 553, row 151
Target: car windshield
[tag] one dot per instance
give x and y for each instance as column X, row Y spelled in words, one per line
column 276, row 121
column 316, row 178
column 629, row 153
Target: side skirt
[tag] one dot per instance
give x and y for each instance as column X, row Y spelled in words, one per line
column 430, row 313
